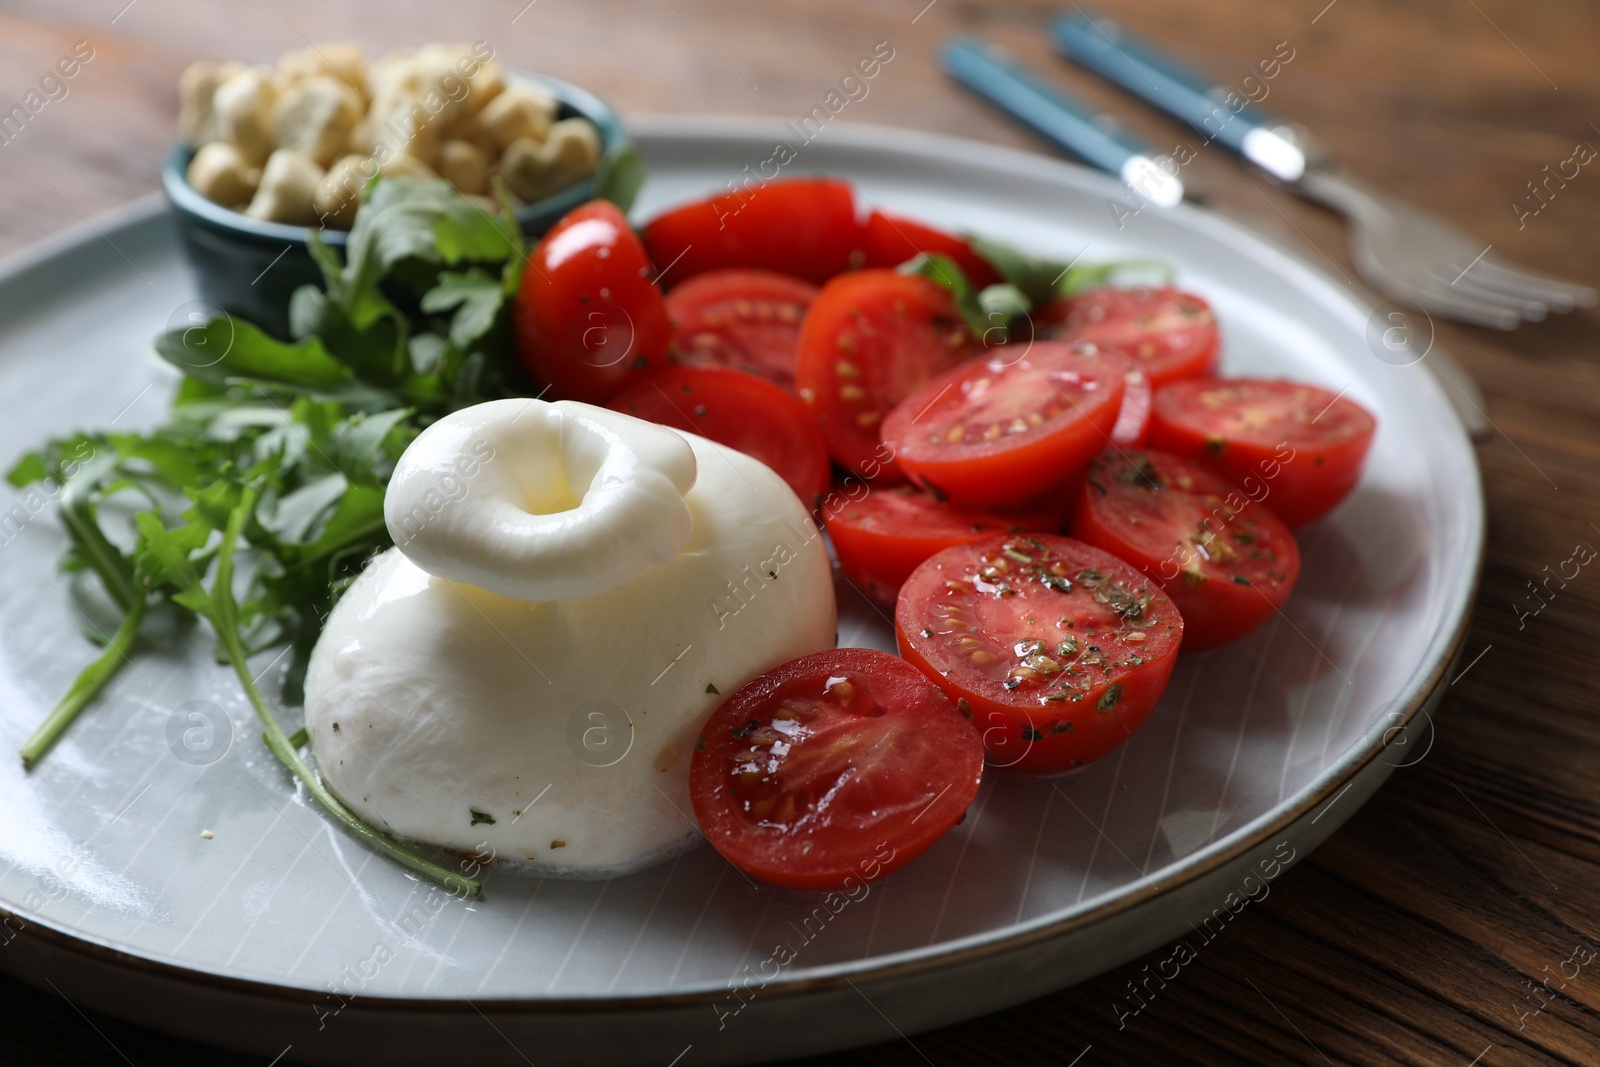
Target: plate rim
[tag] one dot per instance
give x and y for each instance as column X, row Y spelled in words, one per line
column 1443, row 649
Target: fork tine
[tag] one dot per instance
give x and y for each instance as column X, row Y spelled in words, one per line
column 1431, row 294
column 1510, row 282
column 1560, row 295
column 1530, row 309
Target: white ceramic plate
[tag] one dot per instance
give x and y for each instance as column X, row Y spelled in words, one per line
column 260, row 937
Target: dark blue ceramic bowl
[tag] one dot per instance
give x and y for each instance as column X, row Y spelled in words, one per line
column 250, row 268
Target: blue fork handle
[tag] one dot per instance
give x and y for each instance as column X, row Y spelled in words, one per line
column 1215, row 112
column 1058, row 118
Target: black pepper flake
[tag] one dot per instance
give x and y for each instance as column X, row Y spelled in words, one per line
column 742, row 732
column 480, row 816
column 1061, row 728
column 1241, row 579
column 927, row 633
column 1030, row 734
column 713, row 690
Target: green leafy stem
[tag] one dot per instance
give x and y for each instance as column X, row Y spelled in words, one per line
column 165, row 558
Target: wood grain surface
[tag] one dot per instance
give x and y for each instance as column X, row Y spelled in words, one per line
column 1456, row 919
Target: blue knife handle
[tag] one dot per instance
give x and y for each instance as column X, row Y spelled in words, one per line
column 1110, row 51
column 1017, row 91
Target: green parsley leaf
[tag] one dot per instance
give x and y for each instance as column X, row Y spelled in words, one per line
column 478, row 298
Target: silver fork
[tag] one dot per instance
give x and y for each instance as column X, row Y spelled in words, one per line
column 1412, row 256
column 1422, row 260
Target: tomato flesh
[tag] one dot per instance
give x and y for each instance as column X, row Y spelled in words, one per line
column 587, row 317
column 845, row 764
column 748, row 319
column 869, row 341
column 891, row 240
column 883, row 536
column 1002, row 429
column 1060, row 650
column 1173, row 333
column 1227, row 561
column 741, row 411
column 1305, row 444
column 1132, row 429
column 806, row 227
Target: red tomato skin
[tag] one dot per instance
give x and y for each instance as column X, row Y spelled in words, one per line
column 882, row 537
column 984, row 476
column 587, row 317
column 1008, row 729
column 1316, row 474
column 1172, row 332
column 763, row 852
column 891, row 240
column 740, row 410
column 871, row 339
column 807, row 227
column 748, row 319
column 1215, row 612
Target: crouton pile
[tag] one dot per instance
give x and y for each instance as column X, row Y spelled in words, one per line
column 298, row 144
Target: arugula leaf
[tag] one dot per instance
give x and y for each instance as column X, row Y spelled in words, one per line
column 279, row 453
column 621, row 173
column 84, row 687
column 167, row 560
column 1042, row 280
column 366, row 446
column 376, row 353
column 27, row 470
column 988, row 314
column 226, row 348
column 291, row 518
column 943, row 272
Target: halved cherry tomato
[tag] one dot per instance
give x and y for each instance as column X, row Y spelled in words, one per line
column 1133, row 419
column 840, row 765
column 882, row 537
column 1173, row 333
column 749, row 319
column 1004, row 428
column 588, row 318
column 1304, row 444
column 741, row 411
column 806, row 227
column 1059, row 650
column 891, row 240
column 1228, row 562
column 869, row 341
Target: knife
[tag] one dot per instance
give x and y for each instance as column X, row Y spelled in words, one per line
column 1096, row 139
column 1215, row 112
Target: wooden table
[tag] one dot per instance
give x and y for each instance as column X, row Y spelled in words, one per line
column 1424, row 930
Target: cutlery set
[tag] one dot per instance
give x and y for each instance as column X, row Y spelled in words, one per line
column 1404, row 252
